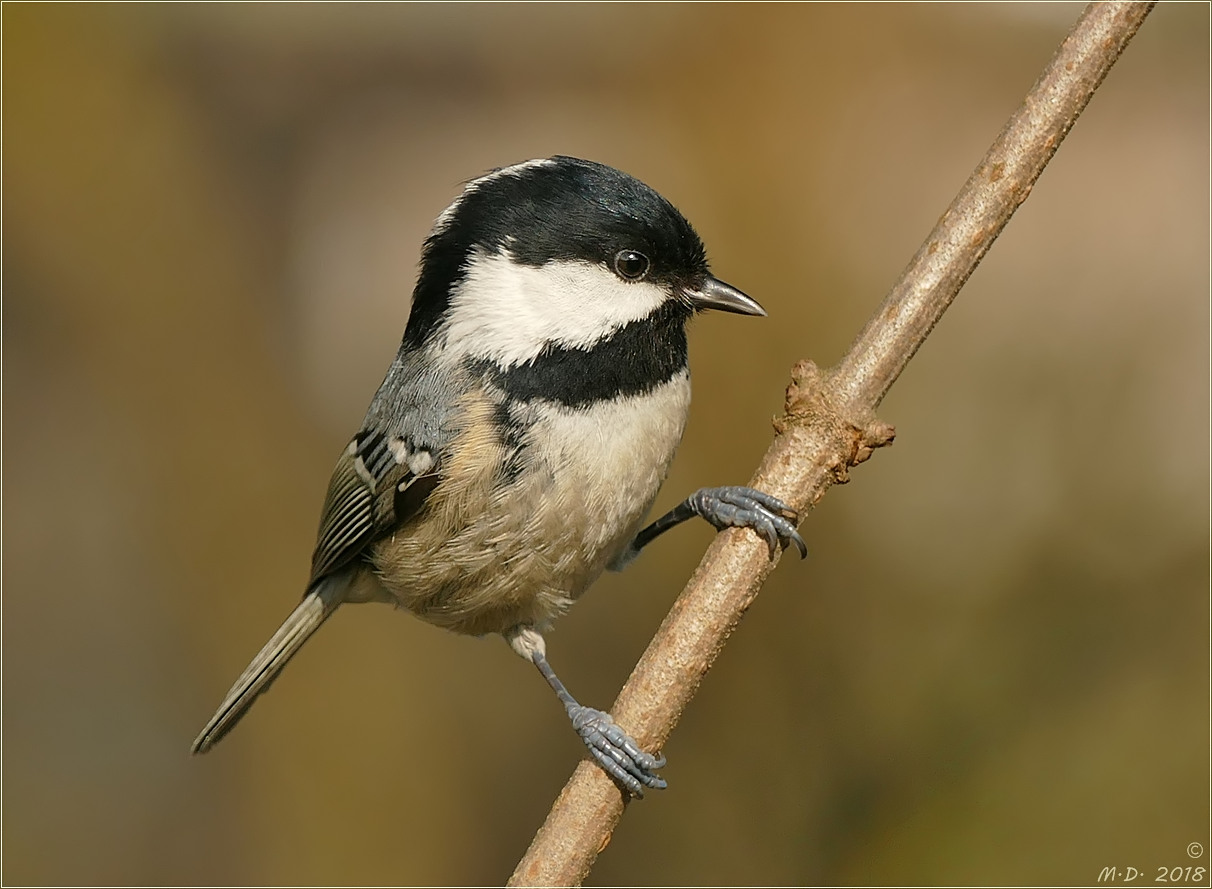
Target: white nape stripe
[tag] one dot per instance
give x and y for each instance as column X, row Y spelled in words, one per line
column 446, row 215
column 509, row 312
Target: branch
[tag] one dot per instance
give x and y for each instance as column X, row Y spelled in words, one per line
column 829, row 425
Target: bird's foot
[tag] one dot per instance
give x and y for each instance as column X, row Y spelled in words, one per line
column 615, row 751
column 735, row 506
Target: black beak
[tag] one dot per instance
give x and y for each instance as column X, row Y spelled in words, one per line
column 715, row 294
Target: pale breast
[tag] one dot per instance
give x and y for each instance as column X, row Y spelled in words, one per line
column 605, row 465
column 516, row 542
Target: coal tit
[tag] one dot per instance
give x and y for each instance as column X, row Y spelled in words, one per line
column 524, row 427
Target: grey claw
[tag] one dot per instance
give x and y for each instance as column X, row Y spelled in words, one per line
column 735, row 506
column 616, row 752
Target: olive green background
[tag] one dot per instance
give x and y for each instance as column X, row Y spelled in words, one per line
column 992, row 669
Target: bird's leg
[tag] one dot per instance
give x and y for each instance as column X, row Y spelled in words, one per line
column 732, row 506
column 611, row 747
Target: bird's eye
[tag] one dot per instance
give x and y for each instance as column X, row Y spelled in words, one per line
column 630, row 264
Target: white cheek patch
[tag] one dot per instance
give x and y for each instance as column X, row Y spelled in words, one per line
column 509, row 312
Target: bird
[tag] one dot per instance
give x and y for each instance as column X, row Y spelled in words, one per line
column 523, row 429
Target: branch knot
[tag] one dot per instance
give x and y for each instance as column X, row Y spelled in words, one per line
column 812, row 403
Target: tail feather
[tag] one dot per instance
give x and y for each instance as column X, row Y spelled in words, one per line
column 265, row 667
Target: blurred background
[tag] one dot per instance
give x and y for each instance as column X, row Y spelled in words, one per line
column 994, row 666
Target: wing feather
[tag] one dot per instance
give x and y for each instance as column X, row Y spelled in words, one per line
column 364, row 498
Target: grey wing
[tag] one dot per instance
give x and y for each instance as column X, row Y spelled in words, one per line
column 379, row 483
